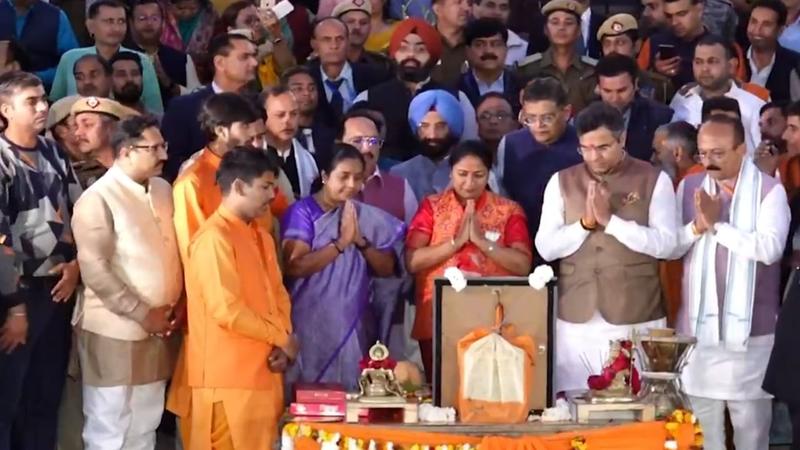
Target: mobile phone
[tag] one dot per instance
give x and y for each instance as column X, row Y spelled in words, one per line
column 667, row 51
column 282, row 8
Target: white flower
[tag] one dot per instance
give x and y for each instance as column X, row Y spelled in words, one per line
column 541, row 275
column 456, row 278
column 492, row 236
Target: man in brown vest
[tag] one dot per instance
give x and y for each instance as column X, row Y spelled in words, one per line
column 608, row 221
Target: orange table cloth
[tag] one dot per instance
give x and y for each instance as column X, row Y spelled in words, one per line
column 634, row 436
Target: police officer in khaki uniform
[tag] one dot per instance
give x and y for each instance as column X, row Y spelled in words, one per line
column 356, row 14
column 620, row 34
column 561, row 60
column 96, row 120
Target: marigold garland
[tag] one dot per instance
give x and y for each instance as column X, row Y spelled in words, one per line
column 676, row 419
column 578, row 443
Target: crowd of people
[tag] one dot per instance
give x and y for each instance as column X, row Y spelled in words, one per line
column 210, row 202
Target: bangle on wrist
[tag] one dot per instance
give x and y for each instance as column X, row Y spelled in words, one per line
column 336, row 246
column 586, row 226
column 453, row 242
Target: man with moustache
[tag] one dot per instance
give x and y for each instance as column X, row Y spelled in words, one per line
column 96, row 121
column 107, row 25
column 175, row 69
column 126, row 81
column 620, row 34
column 338, row 80
column 436, row 118
column 676, row 150
column 712, row 62
column 92, row 76
column 314, row 135
column 501, row 10
column 562, row 60
column 233, row 57
column 734, row 220
column 61, row 126
column 653, row 18
column 132, row 277
column 768, row 63
column 528, row 158
column 357, row 14
column 495, row 120
column 282, row 122
column 451, row 19
column 415, row 47
column 617, row 80
column 608, row 220
column 486, row 53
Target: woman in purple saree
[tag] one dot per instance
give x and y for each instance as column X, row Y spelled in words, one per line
column 333, row 247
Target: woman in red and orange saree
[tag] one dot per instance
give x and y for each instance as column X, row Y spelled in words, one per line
column 468, row 227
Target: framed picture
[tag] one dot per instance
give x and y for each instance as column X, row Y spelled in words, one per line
column 455, row 314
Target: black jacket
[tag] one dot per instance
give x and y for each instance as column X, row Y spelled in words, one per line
column 181, row 129
column 364, row 77
column 786, row 61
column 645, row 117
column 511, row 87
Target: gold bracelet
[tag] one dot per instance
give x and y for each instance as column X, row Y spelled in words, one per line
column 695, row 230
column 587, row 227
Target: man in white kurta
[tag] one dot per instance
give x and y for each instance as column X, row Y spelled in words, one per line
column 608, row 221
column 132, row 277
column 712, row 70
column 735, row 220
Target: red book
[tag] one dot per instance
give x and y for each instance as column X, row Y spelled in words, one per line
column 317, row 409
column 319, row 393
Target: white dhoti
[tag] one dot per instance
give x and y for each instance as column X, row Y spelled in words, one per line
column 715, row 378
column 582, row 348
column 122, row 417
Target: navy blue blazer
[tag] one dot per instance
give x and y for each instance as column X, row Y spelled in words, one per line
column 646, row 116
column 181, row 129
column 511, row 87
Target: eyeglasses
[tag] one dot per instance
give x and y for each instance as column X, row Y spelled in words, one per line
column 367, row 141
column 155, row 148
column 544, row 119
column 715, row 155
column 499, row 116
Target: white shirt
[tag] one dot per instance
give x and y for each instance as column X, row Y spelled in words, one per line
column 689, row 107
column 346, row 89
column 759, row 77
column 484, row 88
column 765, row 245
column 410, row 203
column 586, row 20
column 556, row 239
column 517, row 48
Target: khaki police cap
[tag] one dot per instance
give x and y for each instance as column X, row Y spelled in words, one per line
column 616, row 25
column 60, row 110
column 102, row 105
column 346, row 6
column 570, row 6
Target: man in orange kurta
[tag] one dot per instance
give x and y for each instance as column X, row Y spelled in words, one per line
column 196, row 196
column 240, row 332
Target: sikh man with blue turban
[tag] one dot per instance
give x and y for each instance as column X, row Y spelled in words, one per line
column 437, row 120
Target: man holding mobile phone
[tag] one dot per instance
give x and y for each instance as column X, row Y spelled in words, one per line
column 670, row 51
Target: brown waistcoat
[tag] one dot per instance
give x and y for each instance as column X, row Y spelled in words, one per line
column 604, row 275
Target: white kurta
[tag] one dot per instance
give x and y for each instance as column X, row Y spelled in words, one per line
column 689, row 107
column 712, row 371
column 581, row 349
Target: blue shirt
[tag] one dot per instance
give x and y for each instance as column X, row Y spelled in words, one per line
column 790, row 38
column 66, row 41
